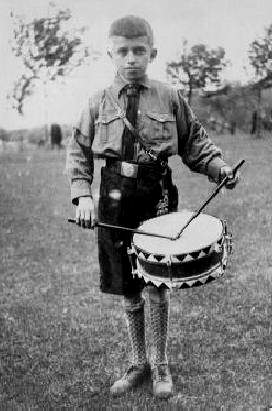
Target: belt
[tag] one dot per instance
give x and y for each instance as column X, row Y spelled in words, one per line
column 131, row 170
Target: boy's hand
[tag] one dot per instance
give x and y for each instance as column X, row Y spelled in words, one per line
column 233, row 179
column 85, row 215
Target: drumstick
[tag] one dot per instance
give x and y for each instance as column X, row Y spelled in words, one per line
column 131, row 230
column 215, row 192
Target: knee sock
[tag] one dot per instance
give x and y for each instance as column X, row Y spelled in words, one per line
column 134, row 314
column 159, row 319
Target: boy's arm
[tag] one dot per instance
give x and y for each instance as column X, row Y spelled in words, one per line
column 80, row 167
column 196, row 149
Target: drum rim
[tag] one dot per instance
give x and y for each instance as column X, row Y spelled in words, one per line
column 217, row 270
column 217, row 241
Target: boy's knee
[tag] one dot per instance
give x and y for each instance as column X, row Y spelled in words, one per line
column 133, row 302
column 158, row 295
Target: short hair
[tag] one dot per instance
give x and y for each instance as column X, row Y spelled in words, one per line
column 131, row 26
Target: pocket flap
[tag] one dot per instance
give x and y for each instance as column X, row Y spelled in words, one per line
column 162, row 117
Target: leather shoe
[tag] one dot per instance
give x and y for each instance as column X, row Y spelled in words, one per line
column 133, row 377
column 162, row 381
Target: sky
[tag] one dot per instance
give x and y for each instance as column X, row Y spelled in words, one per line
column 232, row 24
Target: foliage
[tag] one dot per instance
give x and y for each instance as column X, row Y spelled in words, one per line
column 260, row 57
column 47, row 50
column 235, row 106
column 197, row 68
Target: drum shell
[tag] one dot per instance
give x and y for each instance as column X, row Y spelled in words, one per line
column 186, row 269
column 183, row 270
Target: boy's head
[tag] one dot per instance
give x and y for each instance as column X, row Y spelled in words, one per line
column 131, row 46
column 132, row 27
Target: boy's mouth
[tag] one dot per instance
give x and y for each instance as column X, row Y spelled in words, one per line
column 132, row 68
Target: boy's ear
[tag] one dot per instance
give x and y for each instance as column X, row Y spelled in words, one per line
column 153, row 54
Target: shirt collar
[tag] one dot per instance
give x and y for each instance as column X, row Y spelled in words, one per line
column 119, row 84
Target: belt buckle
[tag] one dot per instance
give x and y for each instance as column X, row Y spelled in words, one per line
column 129, row 169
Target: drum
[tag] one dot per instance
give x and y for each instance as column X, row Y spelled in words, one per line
column 196, row 258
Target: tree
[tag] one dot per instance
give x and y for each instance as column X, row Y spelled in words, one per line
column 232, row 104
column 197, row 68
column 47, row 50
column 260, row 57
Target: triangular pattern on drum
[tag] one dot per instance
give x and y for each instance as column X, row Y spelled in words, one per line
column 146, row 255
column 180, row 257
column 175, row 259
column 206, row 250
column 191, row 283
column 158, row 257
column 198, row 283
column 188, row 258
column 165, row 259
column 152, row 258
column 195, row 254
column 141, row 255
column 157, row 283
column 201, row 254
column 184, row 285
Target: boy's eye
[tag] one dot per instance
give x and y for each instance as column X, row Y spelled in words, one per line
column 138, row 51
column 122, row 51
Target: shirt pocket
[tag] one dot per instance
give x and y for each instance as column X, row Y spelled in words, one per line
column 161, row 127
column 108, row 126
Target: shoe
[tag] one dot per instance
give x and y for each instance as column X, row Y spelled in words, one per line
column 134, row 376
column 162, row 381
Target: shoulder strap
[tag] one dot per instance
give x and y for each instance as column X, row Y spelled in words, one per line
column 153, row 155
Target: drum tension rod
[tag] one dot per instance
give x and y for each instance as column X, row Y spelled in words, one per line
column 214, row 193
column 169, row 264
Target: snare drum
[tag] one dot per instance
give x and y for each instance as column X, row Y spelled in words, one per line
column 197, row 257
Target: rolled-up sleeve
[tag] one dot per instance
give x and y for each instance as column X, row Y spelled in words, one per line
column 79, row 157
column 196, row 149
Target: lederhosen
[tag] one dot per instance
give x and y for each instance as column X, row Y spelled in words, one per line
column 127, row 198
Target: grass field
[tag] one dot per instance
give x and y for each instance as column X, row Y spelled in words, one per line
column 62, row 342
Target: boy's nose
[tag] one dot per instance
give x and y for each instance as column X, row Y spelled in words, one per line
column 130, row 57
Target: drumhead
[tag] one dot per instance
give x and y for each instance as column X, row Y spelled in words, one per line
column 201, row 233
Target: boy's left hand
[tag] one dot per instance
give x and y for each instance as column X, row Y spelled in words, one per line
column 233, row 179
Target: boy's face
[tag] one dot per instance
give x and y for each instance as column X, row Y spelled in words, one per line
column 131, row 56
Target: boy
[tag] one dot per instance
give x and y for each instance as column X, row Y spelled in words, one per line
column 136, row 124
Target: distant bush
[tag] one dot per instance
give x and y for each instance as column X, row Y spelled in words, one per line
column 35, row 135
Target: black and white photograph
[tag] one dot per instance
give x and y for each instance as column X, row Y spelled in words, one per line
column 135, row 204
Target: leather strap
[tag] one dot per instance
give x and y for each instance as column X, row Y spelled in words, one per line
column 153, row 155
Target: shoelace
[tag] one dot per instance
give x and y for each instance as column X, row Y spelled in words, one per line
column 131, row 369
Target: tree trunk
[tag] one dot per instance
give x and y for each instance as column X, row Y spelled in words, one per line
column 190, row 92
column 46, row 137
column 258, row 119
column 254, row 122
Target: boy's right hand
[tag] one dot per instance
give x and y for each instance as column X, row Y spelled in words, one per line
column 85, row 214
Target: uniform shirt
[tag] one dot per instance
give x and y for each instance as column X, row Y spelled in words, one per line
column 165, row 122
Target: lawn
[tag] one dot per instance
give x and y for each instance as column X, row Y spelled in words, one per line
column 62, row 342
